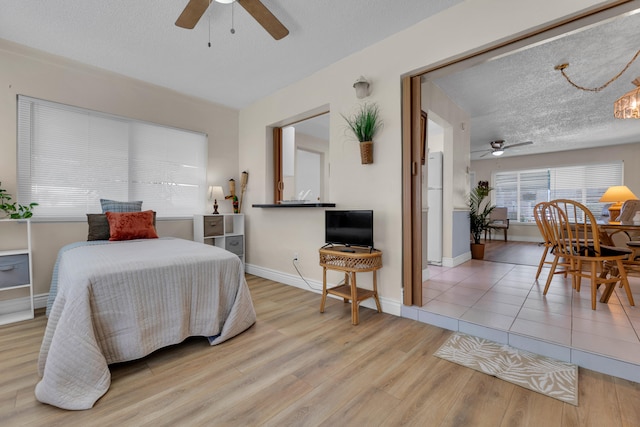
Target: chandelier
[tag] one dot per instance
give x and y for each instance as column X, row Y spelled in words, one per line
column 625, row 107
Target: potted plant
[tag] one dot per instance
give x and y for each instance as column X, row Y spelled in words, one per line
column 479, row 211
column 12, row 209
column 364, row 124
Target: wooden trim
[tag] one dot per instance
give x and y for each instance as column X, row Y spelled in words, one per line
column 407, row 253
column 278, row 181
column 423, row 137
column 416, row 189
column 411, row 191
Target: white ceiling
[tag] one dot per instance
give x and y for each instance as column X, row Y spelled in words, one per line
column 138, row 38
column 517, row 97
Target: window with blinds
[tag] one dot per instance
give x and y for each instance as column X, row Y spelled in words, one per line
column 69, row 158
column 521, row 190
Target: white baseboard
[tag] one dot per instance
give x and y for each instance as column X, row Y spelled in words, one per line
column 40, row 301
column 388, row 306
column 460, row 259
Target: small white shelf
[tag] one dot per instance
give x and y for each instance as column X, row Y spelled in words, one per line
column 225, row 231
column 16, row 288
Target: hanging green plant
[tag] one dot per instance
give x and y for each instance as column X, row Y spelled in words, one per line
column 365, row 122
column 12, row 209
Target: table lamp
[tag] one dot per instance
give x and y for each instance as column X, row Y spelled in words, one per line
column 616, row 195
column 215, row 193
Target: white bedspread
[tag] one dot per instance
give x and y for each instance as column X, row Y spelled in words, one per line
column 123, row 300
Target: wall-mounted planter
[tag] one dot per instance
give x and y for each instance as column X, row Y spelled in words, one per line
column 366, row 152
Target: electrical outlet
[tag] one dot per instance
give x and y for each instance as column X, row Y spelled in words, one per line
column 295, row 256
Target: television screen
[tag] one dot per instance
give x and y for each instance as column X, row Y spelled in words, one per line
column 349, row 228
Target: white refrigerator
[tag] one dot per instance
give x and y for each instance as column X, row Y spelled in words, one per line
column 434, row 208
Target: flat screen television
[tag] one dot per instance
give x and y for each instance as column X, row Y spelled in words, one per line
column 349, row 228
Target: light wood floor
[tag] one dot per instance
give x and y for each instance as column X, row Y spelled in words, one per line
column 298, row 367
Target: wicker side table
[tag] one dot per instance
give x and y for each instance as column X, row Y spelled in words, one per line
column 356, row 260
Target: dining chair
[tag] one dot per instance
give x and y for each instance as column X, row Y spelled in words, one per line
column 574, row 232
column 498, row 220
column 538, row 212
column 628, row 210
column 628, row 237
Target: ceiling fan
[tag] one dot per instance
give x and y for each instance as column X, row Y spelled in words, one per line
column 498, row 147
column 196, row 8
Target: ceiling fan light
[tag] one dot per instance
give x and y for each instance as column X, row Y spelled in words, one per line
column 498, row 152
column 225, row 1
column 628, row 105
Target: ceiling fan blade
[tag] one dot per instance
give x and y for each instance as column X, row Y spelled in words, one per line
column 192, row 13
column 265, row 18
column 518, row 144
column 487, row 153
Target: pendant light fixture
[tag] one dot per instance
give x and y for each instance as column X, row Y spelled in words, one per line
column 628, row 105
column 625, row 107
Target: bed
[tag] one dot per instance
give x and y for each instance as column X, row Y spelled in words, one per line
column 116, row 301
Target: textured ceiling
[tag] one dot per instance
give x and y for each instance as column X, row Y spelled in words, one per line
column 521, row 97
column 138, row 38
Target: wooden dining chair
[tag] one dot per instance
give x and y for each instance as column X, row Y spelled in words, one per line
column 538, row 212
column 576, row 236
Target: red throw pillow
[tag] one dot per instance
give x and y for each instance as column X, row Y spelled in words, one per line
column 131, row 225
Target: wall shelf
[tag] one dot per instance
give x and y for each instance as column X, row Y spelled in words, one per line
column 295, row 205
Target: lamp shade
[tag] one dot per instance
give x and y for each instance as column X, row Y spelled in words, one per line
column 616, row 195
column 216, row 192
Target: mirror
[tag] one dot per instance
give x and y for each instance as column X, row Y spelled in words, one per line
column 304, row 165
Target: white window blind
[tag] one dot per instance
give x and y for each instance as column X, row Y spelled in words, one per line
column 69, row 158
column 521, row 190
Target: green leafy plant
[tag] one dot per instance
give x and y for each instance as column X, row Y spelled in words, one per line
column 14, row 210
column 365, row 122
column 479, row 210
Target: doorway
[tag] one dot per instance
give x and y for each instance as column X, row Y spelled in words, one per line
column 412, row 98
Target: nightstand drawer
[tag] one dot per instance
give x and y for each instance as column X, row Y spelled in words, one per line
column 234, row 244
column 213, row 225
column 14, row 270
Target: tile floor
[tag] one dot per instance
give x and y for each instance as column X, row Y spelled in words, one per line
column 504, row 302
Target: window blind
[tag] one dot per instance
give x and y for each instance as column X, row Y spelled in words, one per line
column 521, row 190
column 69, row 158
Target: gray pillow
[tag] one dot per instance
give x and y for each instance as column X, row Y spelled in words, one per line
column 98, row 227
column 116, row 206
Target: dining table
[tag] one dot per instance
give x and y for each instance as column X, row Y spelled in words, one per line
column 609, row 229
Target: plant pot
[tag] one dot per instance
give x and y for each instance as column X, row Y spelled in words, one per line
column 477, row 250
column 366, row 152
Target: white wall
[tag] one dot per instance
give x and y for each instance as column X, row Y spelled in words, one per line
column 275, row 234
column 33, row 73
column 456, row 157
column 628, row 153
